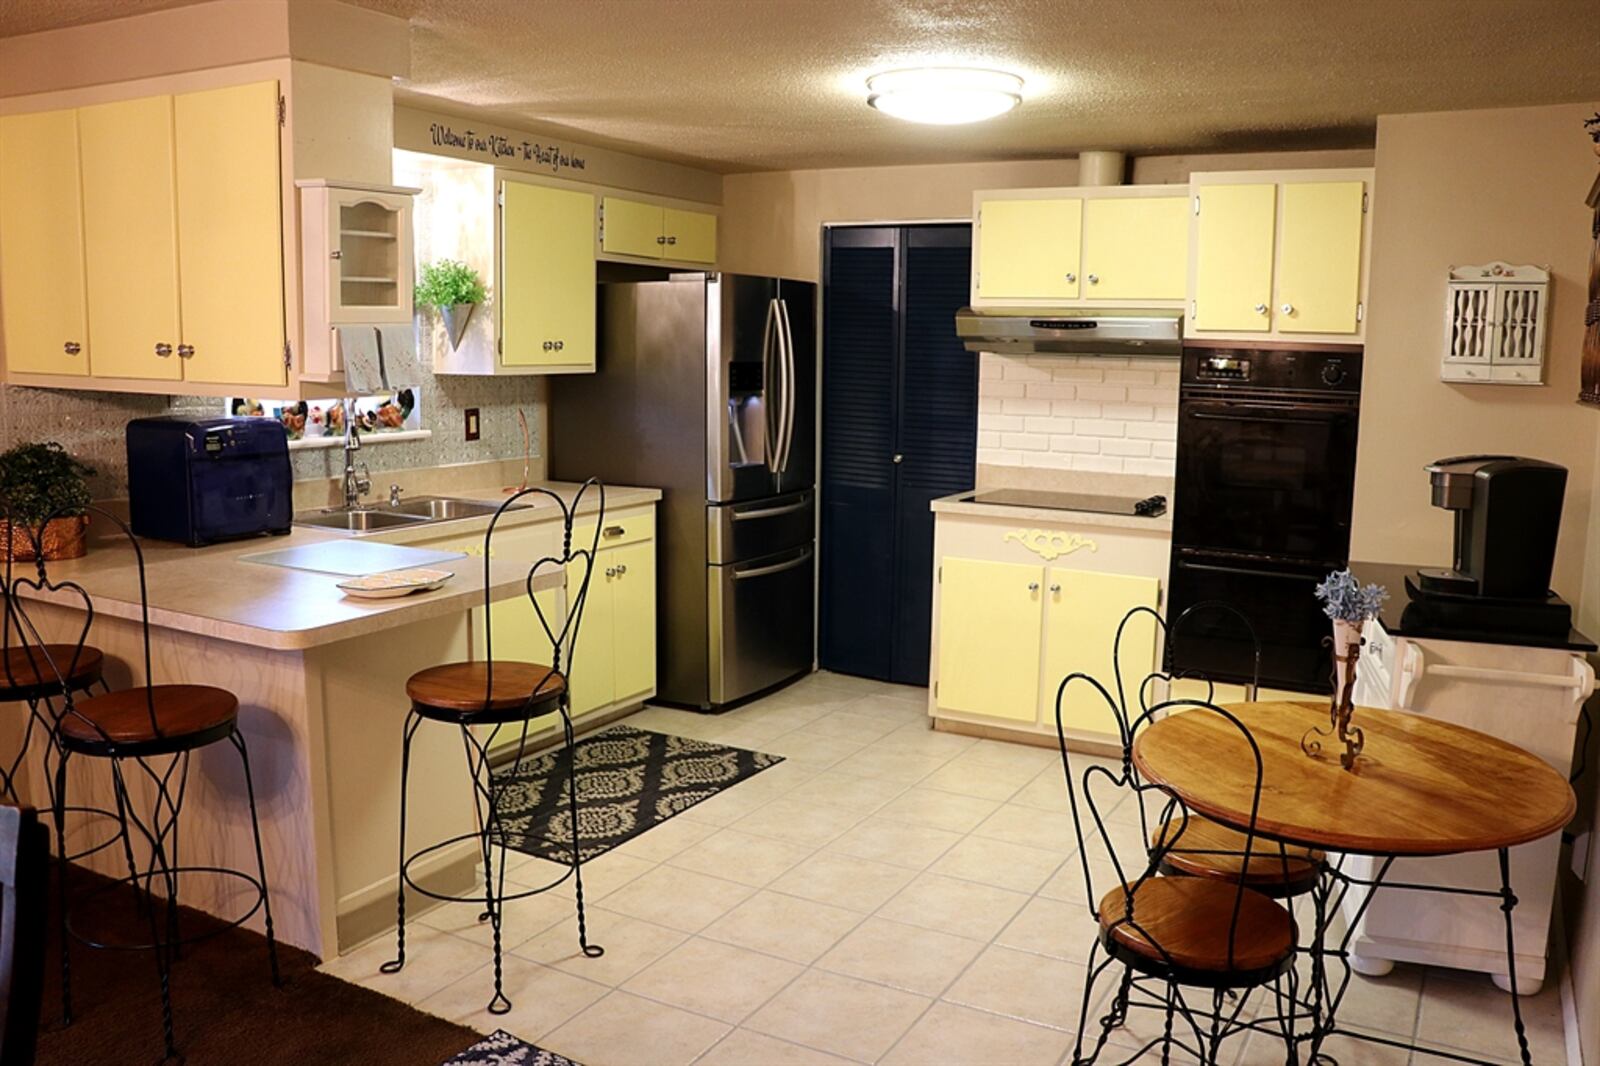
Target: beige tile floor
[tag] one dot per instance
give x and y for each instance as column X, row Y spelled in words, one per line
column 887, row 894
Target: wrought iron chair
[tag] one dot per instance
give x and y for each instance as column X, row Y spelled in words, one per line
column 1174, row 935
column 1208, row 849
column 148, row 734
column 497, row 693
column 24, row 871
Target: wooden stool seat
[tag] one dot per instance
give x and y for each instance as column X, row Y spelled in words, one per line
column 1204, row 848
column 35, row 671
column 118, row 723
column 1187, row 920
column 455, row 692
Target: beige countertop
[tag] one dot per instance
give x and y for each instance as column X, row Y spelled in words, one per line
column 961, row 503
column 211, row 592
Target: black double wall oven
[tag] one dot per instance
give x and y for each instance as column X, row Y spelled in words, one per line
column 1261, row 508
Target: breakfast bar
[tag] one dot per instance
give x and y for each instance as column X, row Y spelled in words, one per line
column 320, row 679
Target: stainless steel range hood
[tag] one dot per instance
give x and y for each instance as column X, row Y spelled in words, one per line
column 1071, row 331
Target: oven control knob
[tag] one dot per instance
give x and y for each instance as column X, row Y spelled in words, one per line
column 1333, row 374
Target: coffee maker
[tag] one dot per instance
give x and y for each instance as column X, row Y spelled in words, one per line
column 1507, row 516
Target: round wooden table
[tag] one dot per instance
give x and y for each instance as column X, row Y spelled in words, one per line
column 1420, row 787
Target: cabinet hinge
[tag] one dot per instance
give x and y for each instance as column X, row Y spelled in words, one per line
column 1364, row 199
column 1361, row 312
column 283, row 110
column 936, row 690
column 500, row 345
column 288, row 355
column 1194, row 310
column 1197, row 203
column 939, row 579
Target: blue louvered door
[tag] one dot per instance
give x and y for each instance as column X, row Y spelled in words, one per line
column 899, row 429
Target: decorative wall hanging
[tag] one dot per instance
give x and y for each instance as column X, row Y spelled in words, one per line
column 1051, row 544
column 1495, row 324
column 1590, row 393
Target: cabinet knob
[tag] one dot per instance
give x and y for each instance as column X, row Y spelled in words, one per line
column 672, row 240
column 1261, row 309
column 898, row 458
column 1033, row 586
column 622, row 569
column 613, row 531
column 1072, row 277
column 336, row 254
column 611, row 571
column 1055, row 589
column 186, row 351
column 72, row 347
column 1287, row 309
column 1094, row 279
column 661, row 240
column 163, row 349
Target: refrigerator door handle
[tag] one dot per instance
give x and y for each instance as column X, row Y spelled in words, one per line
column 786, row 339
column 768, row 332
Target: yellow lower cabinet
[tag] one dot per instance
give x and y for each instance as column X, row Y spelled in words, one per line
column 633, row 617
column 989, row 625
column 1083, row 612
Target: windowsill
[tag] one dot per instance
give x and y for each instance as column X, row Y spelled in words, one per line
column 313, row 443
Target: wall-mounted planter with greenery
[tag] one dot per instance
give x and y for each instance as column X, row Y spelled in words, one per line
column 454, row 289
column 44, row 496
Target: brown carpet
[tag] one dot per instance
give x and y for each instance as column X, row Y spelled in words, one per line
column 226, row 1011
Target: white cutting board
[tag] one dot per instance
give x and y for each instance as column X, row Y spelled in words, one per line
column 351, row 558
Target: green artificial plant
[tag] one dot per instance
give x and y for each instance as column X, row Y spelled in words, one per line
column 449, row 282
column 41, row 481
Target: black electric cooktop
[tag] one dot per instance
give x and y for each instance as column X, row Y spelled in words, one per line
column 1149, row 507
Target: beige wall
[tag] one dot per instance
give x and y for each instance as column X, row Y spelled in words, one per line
column 1468, row 187
column 772, row 221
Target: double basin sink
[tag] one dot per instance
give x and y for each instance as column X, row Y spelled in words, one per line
column 414, row 512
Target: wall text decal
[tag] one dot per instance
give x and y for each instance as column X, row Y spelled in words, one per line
column 550, row 157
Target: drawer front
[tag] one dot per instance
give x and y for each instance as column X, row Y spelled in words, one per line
column 627, row 527
column 747, row 530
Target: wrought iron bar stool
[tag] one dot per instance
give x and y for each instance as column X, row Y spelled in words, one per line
column 134, row 730
column 497, row 693
column 1175, row 935
column 1209, row 849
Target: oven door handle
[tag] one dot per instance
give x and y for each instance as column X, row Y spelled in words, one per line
column 1243, row 415
column 1213, row 568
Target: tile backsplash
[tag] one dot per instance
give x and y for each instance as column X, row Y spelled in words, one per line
column 1107, row 414
column 90, row 425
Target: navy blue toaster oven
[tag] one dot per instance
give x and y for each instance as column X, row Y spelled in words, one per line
column 199, row 481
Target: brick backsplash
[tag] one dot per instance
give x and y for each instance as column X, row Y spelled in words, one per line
column 1078, row 412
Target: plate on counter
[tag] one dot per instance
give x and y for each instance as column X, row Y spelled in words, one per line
column 394, row 583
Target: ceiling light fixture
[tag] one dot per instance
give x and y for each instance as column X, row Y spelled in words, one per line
column 944, row 96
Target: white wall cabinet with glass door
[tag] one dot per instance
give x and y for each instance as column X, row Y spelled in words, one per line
column 357, row 263
column 1018, row 607
column 1280, row 255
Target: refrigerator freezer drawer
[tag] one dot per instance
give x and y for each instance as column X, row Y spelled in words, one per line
column 739, row 531
column 761, row 623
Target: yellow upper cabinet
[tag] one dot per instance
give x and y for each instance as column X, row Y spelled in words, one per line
column 629, row 227
column 547, row 277
column 1319, row 257
column 990, row 619
column 691, row 235
column 1028, row 249
column 230, row 238
column 44, row 312
column 1233, row 236
column 651, row 231
column 1135, row 248
column 1280, row 254
column 131, row 238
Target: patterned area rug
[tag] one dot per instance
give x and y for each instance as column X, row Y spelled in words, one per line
column 628, row 780
column 503, row 1049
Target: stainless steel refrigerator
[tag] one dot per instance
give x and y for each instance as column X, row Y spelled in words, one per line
column 706, row 389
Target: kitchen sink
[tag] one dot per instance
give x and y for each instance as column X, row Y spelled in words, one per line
column 414, row 512
column 444, row 508
column 357, row 521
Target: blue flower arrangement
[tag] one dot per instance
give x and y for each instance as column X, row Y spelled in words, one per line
column 1344, row 599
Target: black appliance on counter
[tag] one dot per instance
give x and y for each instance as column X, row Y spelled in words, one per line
column 1261, row 506
column 1507, row 517
column 200, row 481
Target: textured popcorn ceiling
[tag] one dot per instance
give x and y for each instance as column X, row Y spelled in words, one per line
column 779, row 84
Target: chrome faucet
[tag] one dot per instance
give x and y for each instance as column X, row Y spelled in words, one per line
column 355, row 486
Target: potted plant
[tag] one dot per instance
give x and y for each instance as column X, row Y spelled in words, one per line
column 454, row 288
column 44, row 496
